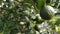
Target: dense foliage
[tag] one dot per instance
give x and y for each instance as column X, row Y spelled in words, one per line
column 24, row 17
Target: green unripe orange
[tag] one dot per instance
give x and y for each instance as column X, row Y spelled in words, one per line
column 47, row 12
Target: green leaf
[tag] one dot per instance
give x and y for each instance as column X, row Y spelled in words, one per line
column 57, row 22
column 40, row 3
column 57, row 28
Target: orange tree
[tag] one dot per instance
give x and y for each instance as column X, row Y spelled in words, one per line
column 29, row 17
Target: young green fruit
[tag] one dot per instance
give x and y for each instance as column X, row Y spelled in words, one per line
column 47, row 12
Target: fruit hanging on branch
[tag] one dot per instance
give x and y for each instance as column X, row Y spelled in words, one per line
column 47, row 12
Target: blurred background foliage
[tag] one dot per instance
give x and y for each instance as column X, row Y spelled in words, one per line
column 23, row 17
